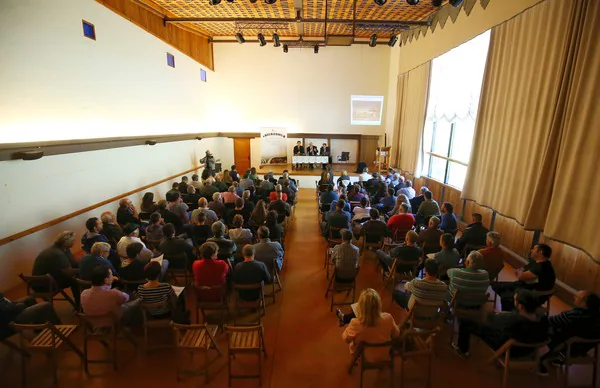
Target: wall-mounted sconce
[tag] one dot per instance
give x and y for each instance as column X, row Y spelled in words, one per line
column 28, row 155
column 151, row 142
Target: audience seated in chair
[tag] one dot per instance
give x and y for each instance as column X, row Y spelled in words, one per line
column 200, row 232
column 370, row 325
column 172, row 246
column 337, row 218
column 415, row 202
column 234, row 174
column 266, row 186
column 132, row 267
column 209, row 189
column 472, row 280
column 374, row 230
column 101, row 299
column 219, row 184
column 275, row 228
column 97, row 257
column 238, row 232
column 429, row 291
column 448, row 257
column 410, row 251
column 475, row 234
column 388, row 202
column 250, row 271
column 288, row 191
column 229, row 196
column 153, row 291
column 191, row 198
column 431, row 236
column 209, row 272
column 110, row 228
column 176, row 205
column 449, row 222
column 407, row 190
column 248, row 204
column 280, row 205
column 246, row 181
column 196, row 183
column 169, row 217
column 356, row 193
column 583, row 321
column 25, row 311
column 538, row 275
column 211, row 215
column 328, row 196
column 266, row 250
column 493, row 255
column 226, row 247
column 148, row 205
column 241, row 210
column 132, row 233
column 154, row 231
column 183, row 185
column 259, row 214
column 345, row 258
column 522, row 325
column 403, row 220
column 127, row 213
column 361, row 212
column 58, row 262
column 94, row 227
column 428, row 208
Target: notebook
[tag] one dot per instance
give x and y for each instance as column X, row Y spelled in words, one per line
column 355, row 309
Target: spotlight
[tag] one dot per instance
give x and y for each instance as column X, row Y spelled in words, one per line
column 410, row 2
column 270, row 2
column 253, row 1
column 436, row 3
column 380, row 2
column 455, row 3
column 230, row 1
column 261, row 39
column 373, row 40
column 316, row 49
column 240, row 38
column 214, row 2
column 285, row 48
column 276, row 40
column 393, row 40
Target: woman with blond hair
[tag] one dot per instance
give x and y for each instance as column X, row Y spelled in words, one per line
column 400, row 200
column 227, row 179
column 342, row 178
column 369, row 324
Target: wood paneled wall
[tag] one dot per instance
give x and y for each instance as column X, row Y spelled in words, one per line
column 452, row 195
column 513, row 236
column 193, row 45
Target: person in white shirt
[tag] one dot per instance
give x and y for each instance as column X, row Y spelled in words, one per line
column 365, row 176
column 132, row 233
column 362, row 211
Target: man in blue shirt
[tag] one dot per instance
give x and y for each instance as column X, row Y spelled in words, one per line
column 97, row 257
column 449, row 223
column 328, row 196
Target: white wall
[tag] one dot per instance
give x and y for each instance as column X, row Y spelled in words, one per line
column 255, row 87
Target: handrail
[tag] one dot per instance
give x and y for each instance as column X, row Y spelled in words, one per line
column 79, row 212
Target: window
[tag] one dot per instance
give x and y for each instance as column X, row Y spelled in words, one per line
column 203, row 75
column 456, row 79
column 170, row 60
column 89, row 31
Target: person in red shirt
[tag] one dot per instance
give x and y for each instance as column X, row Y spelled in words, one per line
column 209, row 272
column 273, row 194
column 403, row 221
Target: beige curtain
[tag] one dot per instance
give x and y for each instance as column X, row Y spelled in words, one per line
column 572, row 216
column 522, row 104
column 413, row 88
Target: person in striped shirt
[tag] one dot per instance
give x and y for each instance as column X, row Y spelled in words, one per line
column 154, row 291
column 428, row 291
column 472, row 281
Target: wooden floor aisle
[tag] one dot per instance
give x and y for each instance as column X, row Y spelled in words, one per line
column 304, row 343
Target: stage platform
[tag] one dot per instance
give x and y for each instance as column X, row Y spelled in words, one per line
column 337, row 169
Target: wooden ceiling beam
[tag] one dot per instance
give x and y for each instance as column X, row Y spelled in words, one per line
column 301, row 20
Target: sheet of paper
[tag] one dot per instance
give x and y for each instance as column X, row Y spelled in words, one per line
column 355, row 309
column 178, row 290
column 158, row 259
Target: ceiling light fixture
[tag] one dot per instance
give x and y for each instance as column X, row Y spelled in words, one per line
column 410, row 2
column 270, row 2
column 380, row 2
column 393, row 40
column 253, row 1
column 214, row 2
column 455, row 3
column 373, row 40
column 436, row 3
column 261, row 39
column 316, row 49
column 240, row 38
column 285, row 48
column 276, row 40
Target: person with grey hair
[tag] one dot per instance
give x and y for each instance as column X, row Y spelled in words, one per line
column 217, row 206
column 407, row 190
column 58, row 262
column 266, row 186
column 98, row 256
column 209, row 189
column 493, row 255
column 229, row 196
column 268, row 251
column 211, row 216
column 110, row 228
column 226, row 247
column 471, row 281
column 345, row 258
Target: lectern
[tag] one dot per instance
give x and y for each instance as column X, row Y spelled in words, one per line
column 382, row 158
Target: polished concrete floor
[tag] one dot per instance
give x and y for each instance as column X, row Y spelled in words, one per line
column 303, row 340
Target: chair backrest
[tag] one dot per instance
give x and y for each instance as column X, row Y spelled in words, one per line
column 234, row 331
column 204, row 339
column 130, row 286
column 471, row 247
column 26, row 340
column 345, row 156
column 83, row 284
column 258, row 287
column 373, row 238
column 363, row 350
column 417, row 343
column 220, row 289
column 177, row 262
column 461, row 298
column 40, row 282
column 150, row 308
column 400, row 234
column 335, row 233
column 580, row 346
column 428, row 317
column 93, row 324
column 512, row 343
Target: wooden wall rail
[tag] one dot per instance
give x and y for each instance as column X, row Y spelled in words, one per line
column 58, row 220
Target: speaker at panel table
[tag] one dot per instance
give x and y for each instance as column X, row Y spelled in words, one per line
column 273, row 146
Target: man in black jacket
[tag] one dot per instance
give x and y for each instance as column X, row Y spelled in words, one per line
column 298, row 150
column 416, row 202
column 337, row 218
column 174, row 248
column 475, row 234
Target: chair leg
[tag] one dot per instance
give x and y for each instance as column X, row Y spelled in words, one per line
column 23, row 370
column 229, row 366
column 115, row 364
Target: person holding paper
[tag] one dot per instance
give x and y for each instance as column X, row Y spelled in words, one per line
column 153, row 291
column 371, row 325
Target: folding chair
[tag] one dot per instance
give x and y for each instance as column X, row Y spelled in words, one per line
column 470, row 247
column 155, row 323
column 131, row 286
column 335, row 286
column 545, row 296
column 503, row 359
column 328, row 260
column 49, row 287
column 203, row 305
column 182, row 270
column 376, row 242
column 424, row 317
column 359, row 356
column 333, row 238
column 257, row 304
column 275, row 280
column 397, row 276
column 82, row 285
column 47, row 341
column 104, row 329
column 417, row 344
column 466, row 306
column 194, row 339
column 245, row 340
column 581, row 357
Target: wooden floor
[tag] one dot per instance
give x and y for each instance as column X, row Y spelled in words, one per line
column 303, row 339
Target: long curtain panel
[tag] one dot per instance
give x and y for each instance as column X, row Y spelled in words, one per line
column 518, row 130
column 572, row 216
column 413, row 88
